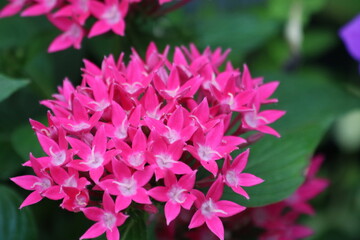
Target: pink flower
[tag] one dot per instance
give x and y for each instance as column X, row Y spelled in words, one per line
column 42, row 185
column 107, row 218
column 127, row 122
column 40, row 8
column 111, row 17
column 93, row 158
column 208, row 148
column 176, row 194
column 12, row 8
column 127, row 186
column 167, row 158
column 72, row 35
column 210, row 209
column 233, row 176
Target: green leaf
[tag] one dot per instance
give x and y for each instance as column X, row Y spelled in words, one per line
column 245, row 33
column 24, row 141
column 15, row 224
column 18, row 31
column 9, row 160
column 312, row 103
column 134, row 227
column 9, row 86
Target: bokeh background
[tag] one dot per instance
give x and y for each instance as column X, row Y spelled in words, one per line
column 294, row 42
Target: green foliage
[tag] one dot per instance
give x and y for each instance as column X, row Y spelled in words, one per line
column 312, row 103
column 9, row 86
column 15, row 224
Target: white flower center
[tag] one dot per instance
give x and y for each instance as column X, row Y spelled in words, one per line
column 209, row 208
column 176, row 195
column 109, row 220
column 95, row 159
column 251, row 119
column 128, row 186
column 164, row 160
column 50, row 3
column 172, row 135
column 205, row 152
column 80, row 126
column 112, row 15
column 132, row 88
column 136, row 159
column 74, row 32
column 231, row 178
column 80, row 200
column 83, row 5
column 57, row 158
column 121, row 131
column 70, row 182
column 42, row 185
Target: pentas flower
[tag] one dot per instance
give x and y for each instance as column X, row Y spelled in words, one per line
column 233, row 176
column 279, row 221
column 132, row 135
column 176, row 194
column 210, row 208
column 107, row 220
column 72, row 16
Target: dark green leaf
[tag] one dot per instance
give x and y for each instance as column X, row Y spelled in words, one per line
column 134, row 227
column 9, row 161
column 245, row 32
column 25, row 141
column 312, row 103
column 15, row 224
column 9, row 86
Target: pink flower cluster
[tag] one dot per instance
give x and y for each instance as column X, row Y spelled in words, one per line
column 132, row 134
column 279, row 219
column 70, row 16
column 276, row 221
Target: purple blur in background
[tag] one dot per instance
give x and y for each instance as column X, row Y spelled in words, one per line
column 350, row 34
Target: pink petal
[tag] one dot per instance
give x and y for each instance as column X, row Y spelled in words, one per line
column 216, row 226
column 113, row 234
column 216, row 190
column 94, row 231
column 99, row 141
column 268, row 130
column 142, row 197
column 99, row 28
column 143, row 177
column 108, row 203
column 241, row 191
column 211, row 166
column 121, row 203
column 33, row 198
column 27, row 182
column 159, row 193
column 181, row 168
column 139, row 141
column 197, row 220
column 54, row 193
column 35, row 10
column 96, row 173
column 60, row 43
column 271, row 115
column 172, row 210
column 119, row 28
column 240, row 161
column 120, row 170
column 248, row 180
column 187, row 181
column 93, row 213
column 229, row 207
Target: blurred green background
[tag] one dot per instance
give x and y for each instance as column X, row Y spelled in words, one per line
column 295, row 42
